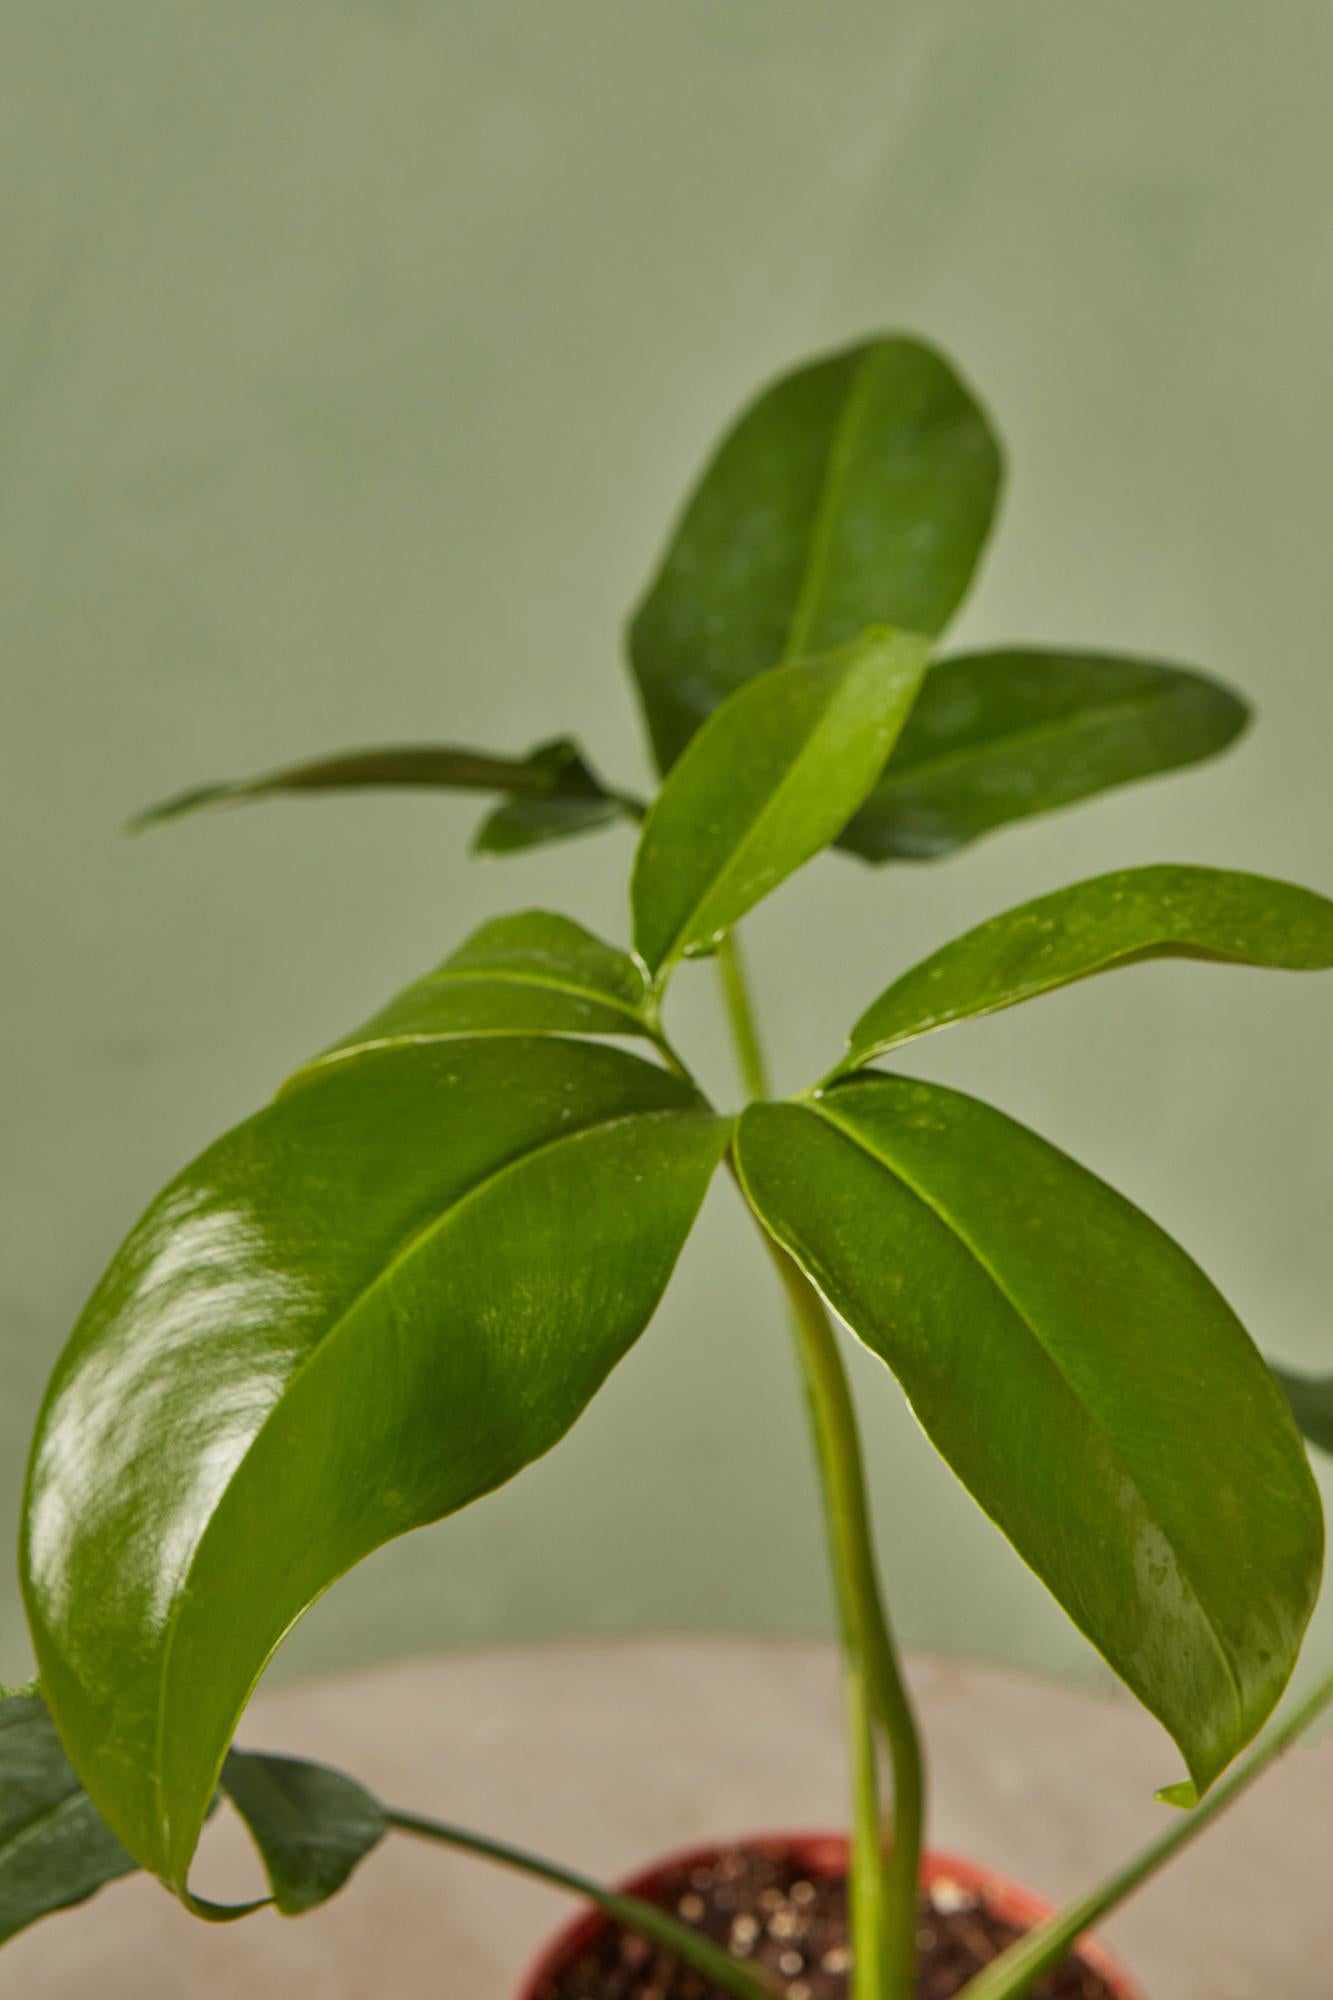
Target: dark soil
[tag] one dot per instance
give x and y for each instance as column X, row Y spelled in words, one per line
column 764, row 1910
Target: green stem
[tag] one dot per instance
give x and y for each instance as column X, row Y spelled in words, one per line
column 715, row 1964
column 884, row 1890
column 740, row 1015
column 1015, row 1971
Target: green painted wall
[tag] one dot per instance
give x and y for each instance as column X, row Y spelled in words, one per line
column 353, row 356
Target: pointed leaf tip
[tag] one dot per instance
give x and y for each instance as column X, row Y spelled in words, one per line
column 998, row 737
column 858, row 490
column 767, row 782
column 1121, row 1429
column 261, row 1299
column 1124, row 918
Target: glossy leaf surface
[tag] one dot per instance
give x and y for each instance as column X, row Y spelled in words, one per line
column 358, row 1311
column 1119, row 919
column 313, row 1826
column 767, row 783
column 1083, row 1378
column 996, row 737
column 856, row 491
column 553, row 770
column 55, row 1847
column 531, row 973
column 1311, row 1399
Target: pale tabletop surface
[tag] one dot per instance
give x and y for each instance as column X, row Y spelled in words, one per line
column 606, row 1754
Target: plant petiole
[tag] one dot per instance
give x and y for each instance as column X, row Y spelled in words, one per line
column 698, row 1951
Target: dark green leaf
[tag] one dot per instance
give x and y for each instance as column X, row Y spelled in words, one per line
column 996, row 737
column 1120, row 919
column 1083, row 1378
column 535, row 822
column 534, row 973
column 552, row 771
column 766, row 784
column 857, row 491
column 55, row 1848
column 1311, row 1399
column 312, row 1826
column 360, row 1310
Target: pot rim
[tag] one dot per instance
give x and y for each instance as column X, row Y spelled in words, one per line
column 823, row 1853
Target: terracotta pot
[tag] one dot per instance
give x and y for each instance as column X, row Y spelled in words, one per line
column 827, row 1854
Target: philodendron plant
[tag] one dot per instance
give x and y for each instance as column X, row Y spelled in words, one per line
column 402, row 1280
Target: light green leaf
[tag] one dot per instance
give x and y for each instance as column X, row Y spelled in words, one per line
column 1086, row 1382
column 766, row 784
column 996, row 737
column 1311, row 1399
column 312, row 1826
column 360, row 1310
column 1119, row 919
column 534, row 973
column 857, row 491
column 553, row 771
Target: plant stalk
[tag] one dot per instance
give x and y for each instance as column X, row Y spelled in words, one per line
column 707, row 1958
column 884, row 1883
column 1015, row 1972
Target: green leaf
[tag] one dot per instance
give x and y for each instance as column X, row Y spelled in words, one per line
column 519, row 824
column 1086, row 1382
column 1120, row 919
column 1311, row 1399
column 358, row 1311
column 312, row 1826
column 553, row 771
column 996, row 737
column 857, row 491
column 534, row 973
column 766, row 784
column 55, row 1848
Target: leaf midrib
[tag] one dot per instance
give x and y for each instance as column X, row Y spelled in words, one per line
column 45, row 1817
column 854, row 1138
column 1093, row 716
column 833, row 479
column 756, row 823
column 347, row 1051
column 475, row 977
column 404, row 1252
column 1141, row 954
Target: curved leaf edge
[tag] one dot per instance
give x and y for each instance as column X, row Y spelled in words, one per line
column 1184, row 1793
column 858, row 1054
column 273, row 1841
column 1231, row 727
column 642, row 1017
column 176, row 1878
column 555, row 770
